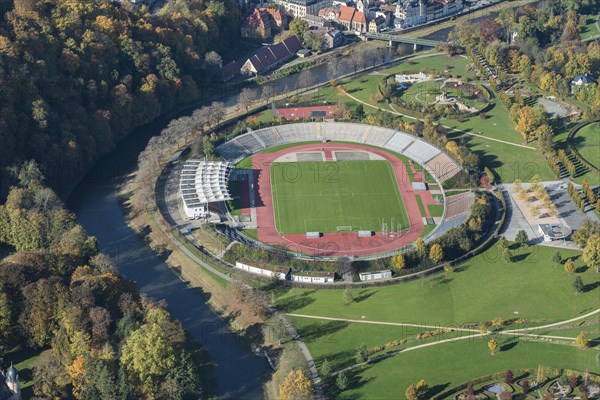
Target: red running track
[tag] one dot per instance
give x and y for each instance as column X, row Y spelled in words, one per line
column 331, row 244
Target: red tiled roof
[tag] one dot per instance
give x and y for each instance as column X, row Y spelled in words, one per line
column 360, row 17
column 258, row 18
column 388, row 8
column 346, row 13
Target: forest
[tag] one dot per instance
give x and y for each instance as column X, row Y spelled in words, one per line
column 76, row 76
column 100, row 337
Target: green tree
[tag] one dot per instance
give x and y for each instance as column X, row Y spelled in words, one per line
column 578, row 284
column 298, row 27
column 348, row 296
column 325, row 369
column 556, row 258
column 362, row 354
column 521, row 239
column 341, row 381
column 158, row 339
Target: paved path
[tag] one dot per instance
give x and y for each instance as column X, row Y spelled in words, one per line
column 474, row 334
column 445, row 126
column 291, row 330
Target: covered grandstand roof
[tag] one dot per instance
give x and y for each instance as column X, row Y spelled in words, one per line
column 202, row 182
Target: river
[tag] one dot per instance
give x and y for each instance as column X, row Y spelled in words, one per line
column 239, row 373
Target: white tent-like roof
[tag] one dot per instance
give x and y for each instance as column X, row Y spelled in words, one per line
column 202, row 182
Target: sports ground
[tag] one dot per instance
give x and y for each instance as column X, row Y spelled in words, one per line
column 336, row 196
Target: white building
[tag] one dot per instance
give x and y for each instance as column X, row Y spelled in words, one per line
column 313, row 277
column 300, row 8
column 415, row 12
column 282, row 274
column 201, row 183
column 375, row 275
column 10, row 385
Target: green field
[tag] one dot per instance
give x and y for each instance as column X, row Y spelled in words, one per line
column 479, row 290
column 587, row 142
column 589, row 30
column 320, row 197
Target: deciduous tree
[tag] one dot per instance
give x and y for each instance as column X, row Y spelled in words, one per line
column 296, row 386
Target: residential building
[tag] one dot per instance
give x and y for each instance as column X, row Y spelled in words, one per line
column 257, row 25
column 377, row 24
column 329, row 14
column 580, row 81
column 415, row 12
column 279, row 20
column 10, row 385
column 272, row 57
column 300, row 8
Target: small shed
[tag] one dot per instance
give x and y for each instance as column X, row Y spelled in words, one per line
column 375, row 275
column 303, row 53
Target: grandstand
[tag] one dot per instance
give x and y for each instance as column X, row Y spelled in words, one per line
column 202, row 183
column 437, row 162
column 421, row 151
column 458, row 208
column 443, row 167
column 399, row 142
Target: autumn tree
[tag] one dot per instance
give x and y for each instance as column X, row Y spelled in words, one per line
column 421, row 248
column 399, row 262
column 296, row 386
column 569, row 266
column 591, row 252
column 436, row 253
column 582, row 341
column 493, row 346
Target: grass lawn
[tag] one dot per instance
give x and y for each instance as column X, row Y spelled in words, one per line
column 587, row 142
column 454, row 65
column 319, row 197
column 446, row 365
column 436, row 210
column 479, row 290
column 589, row 29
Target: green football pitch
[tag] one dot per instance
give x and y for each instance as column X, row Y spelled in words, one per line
column 336, row 196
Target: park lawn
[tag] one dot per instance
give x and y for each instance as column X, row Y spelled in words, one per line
column 587, row 142
column 509, row 162
column 427, row 92
column 251, row 233
column 560, row 138
column 427, row 229
column 446, row 365
column 589, row 29
column 457, row 65
column 479, row 290
column 320, row 197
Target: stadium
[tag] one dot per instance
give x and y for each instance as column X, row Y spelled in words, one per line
column 327, row 189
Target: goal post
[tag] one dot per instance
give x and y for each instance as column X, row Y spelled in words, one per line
column 344, row 228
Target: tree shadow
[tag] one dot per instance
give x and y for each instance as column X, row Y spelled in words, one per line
column 591, row 286
column 294, row 303
column 320, row 330
column 509, row 346
column 437, row 389
column 364, row 295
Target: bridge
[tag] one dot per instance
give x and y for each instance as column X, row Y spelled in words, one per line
column 401, row 39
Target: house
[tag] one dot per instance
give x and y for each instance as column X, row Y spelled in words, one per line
column 314, row 20
column 303, row 53
column 329, row 14
column 230, row 71
column 279, row 20
column 313, row 277
column 377, row 24
column 415, row 12
column 10, row 386
column 375, row 275
column 333, row 38
column 257, row 25
column 580, row 81
column 272, row 57
column 280, row 272
column 300, row 8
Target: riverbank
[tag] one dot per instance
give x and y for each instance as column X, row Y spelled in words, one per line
column 255, row 332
